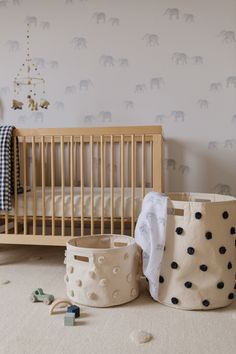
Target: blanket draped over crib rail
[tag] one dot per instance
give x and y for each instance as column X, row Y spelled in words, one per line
column 9, row 169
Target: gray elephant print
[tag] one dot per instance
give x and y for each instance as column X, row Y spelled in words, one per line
column 105, row 116
column 59, row 105
column 160, row 118
column 231, row 81
column 79, row 42
column 45, row 25
column 114, row 21
column 221, row 188
column 88, row 119
column 140, row 88
column 197, row 60
column 228, row 36
column 184, row 169
column 123, row 62
column 53, row 64
column 203, row 104
column 172, row 13
column 170, row 164
column 12, row 45
column 129, row 104
column 151, row 39
column 215, row 87
column 3, row 3
column 212, row 145
column 5, row 90
column 85, row 85
column 233, row 118
column 107, row 60
column 188, row 18
column 39, row 62
column 70, row 90
column 230, row 144
column 180, row 58
column 157, row 83
column 178, row 115
column 100, row 17
column 38, row 117
column 17, row 2
column 31, row 20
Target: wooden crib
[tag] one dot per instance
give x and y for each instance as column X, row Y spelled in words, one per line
column 79, row 181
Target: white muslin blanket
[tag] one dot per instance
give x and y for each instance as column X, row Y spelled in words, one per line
column 150, row 235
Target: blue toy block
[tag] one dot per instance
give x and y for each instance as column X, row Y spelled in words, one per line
column 69, row 319
column 74, row 309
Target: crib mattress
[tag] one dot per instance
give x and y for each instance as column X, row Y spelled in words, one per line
column 77, row 202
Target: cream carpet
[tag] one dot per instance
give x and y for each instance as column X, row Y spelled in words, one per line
column 27, row 328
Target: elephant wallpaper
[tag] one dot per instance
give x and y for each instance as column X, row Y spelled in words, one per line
column 134, row 62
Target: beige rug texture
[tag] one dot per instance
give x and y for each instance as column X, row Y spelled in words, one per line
column 27, row 328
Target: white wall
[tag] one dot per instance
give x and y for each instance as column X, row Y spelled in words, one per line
column 189, row 95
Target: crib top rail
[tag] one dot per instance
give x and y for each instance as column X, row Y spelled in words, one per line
column 96, row 131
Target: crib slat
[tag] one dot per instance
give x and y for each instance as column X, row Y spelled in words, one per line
column 129, row 161
column 105, row 163
column 72, row 183
column 62, row 187
column 6, row 222
column 69, row 162
column 34, row 185
column 132, row 184
column 53, row 185
column 43, row 183
column 112, row 183
column 102, row 184
column 82, row 182
column 15, row 189
column 25, row 184
column 122, row 181
column 76, row 162
column 92, row 183
column 151, row 157
column 143, row 166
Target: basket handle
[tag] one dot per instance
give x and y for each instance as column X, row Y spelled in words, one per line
column 81, row 258
column 175, row 211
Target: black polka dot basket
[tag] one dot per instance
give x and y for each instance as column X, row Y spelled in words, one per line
column 198, row 267
column 102, row 270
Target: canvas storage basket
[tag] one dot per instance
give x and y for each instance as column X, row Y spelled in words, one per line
column 102, row 270
column 198, row 266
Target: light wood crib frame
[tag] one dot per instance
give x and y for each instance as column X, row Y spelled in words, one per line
column 112, row 167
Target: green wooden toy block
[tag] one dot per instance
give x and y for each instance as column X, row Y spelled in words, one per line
column 69, row 319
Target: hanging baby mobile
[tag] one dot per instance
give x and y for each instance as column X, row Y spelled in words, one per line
column 29, row 83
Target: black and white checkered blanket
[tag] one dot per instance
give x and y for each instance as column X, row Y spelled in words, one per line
column 7, row 167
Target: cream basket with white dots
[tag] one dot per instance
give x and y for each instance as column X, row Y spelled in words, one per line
column 102, row 270
column 198, row 267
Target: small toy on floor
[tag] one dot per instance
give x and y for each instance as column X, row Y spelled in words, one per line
column 140, row 337
column 69, row 319
column 58, row 303
column 39, row 296
column 74, row 309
